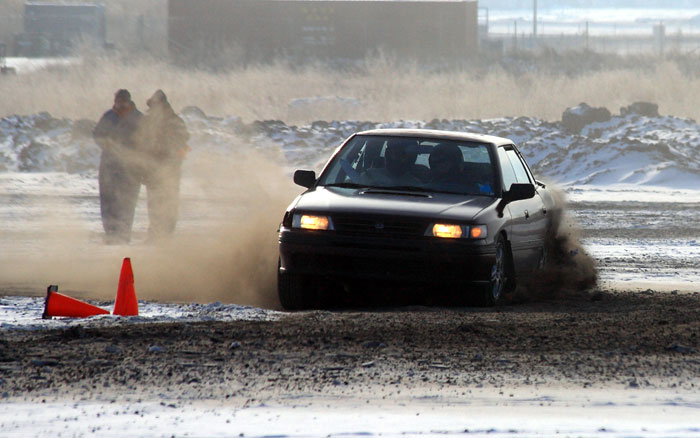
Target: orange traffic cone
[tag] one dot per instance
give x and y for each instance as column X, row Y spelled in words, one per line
column 126, row 304
column 61, row 305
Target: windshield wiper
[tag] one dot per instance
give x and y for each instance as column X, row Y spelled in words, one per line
column 346, row 185
column 427, row 190
column 408, row 188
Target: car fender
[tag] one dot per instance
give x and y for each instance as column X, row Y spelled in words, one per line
column 286, row 220
column 499, row 221
column 506, row 226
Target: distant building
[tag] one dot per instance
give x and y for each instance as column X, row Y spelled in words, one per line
column 51, row 29
column 261, row 30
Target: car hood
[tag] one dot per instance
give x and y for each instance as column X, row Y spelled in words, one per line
column 389, row 202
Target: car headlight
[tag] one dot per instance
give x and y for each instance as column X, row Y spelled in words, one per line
column 453, row 231
column 447, row 231
column 312, row 222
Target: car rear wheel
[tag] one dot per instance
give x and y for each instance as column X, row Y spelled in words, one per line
column 491, row 292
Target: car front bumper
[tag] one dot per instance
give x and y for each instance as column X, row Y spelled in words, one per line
column 424, row 259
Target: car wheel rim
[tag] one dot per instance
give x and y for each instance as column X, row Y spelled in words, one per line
column 498, row 273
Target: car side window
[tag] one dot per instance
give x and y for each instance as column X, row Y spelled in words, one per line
column 518, row 167
column 527, row 168
column 509, row 177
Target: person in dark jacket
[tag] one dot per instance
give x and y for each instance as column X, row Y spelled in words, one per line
column 164, row 139
column 119, row 175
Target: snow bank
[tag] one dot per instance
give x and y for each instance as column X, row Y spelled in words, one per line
column 629, row 150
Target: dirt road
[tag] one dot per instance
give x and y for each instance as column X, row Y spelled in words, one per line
column 600, row 340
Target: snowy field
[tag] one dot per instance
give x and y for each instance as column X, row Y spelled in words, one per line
column 633, row 184
column 486, row 414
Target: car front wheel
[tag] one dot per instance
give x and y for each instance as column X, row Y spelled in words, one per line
column 543, row 259
column 492, row 291
column 291, row 290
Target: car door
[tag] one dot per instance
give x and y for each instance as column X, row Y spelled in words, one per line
column 528, row 215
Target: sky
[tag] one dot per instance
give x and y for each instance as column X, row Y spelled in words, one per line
column 521, row 4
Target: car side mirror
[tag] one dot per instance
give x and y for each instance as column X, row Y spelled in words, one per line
column 305, row 178
column 518, row 192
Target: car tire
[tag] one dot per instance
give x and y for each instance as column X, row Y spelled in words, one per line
column 291, row 290
column 511, row 280
column 544, row 259
column 499, row 280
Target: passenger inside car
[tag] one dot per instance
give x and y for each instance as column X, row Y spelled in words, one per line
column 446, row 164
column 450, row 172
column 399, row 161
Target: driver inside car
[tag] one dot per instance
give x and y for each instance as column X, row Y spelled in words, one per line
column 399, row 159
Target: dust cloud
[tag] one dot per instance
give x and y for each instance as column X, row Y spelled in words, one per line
column 569, row 269
column 229, row 253
column 225, row 247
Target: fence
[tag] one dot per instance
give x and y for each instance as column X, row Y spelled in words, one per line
column 617, row 44
column 608, row 37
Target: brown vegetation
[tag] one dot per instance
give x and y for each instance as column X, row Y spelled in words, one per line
column 387, row 90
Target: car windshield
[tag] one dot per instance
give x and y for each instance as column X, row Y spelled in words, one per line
column 413, row 164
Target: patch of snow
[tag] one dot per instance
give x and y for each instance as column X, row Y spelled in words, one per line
column 651, row 261
column 24, row 313
column 542, row 413
column 630, row 193
column 29, row 65
column 303, row 102
column 48, row 184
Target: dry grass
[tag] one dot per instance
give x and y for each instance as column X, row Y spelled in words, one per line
column 387, row 90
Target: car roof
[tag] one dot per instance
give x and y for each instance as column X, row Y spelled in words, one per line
column 441, row 135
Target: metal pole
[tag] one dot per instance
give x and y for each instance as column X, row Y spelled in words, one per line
column 534, row 21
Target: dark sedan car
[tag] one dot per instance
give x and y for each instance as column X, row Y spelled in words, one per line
column 415, row 207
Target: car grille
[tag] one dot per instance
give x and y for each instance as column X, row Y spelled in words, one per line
column 351, row 225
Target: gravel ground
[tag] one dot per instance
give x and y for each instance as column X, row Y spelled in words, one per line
column 599, row 340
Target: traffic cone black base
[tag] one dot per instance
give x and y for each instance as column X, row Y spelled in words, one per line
column 62, row 305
